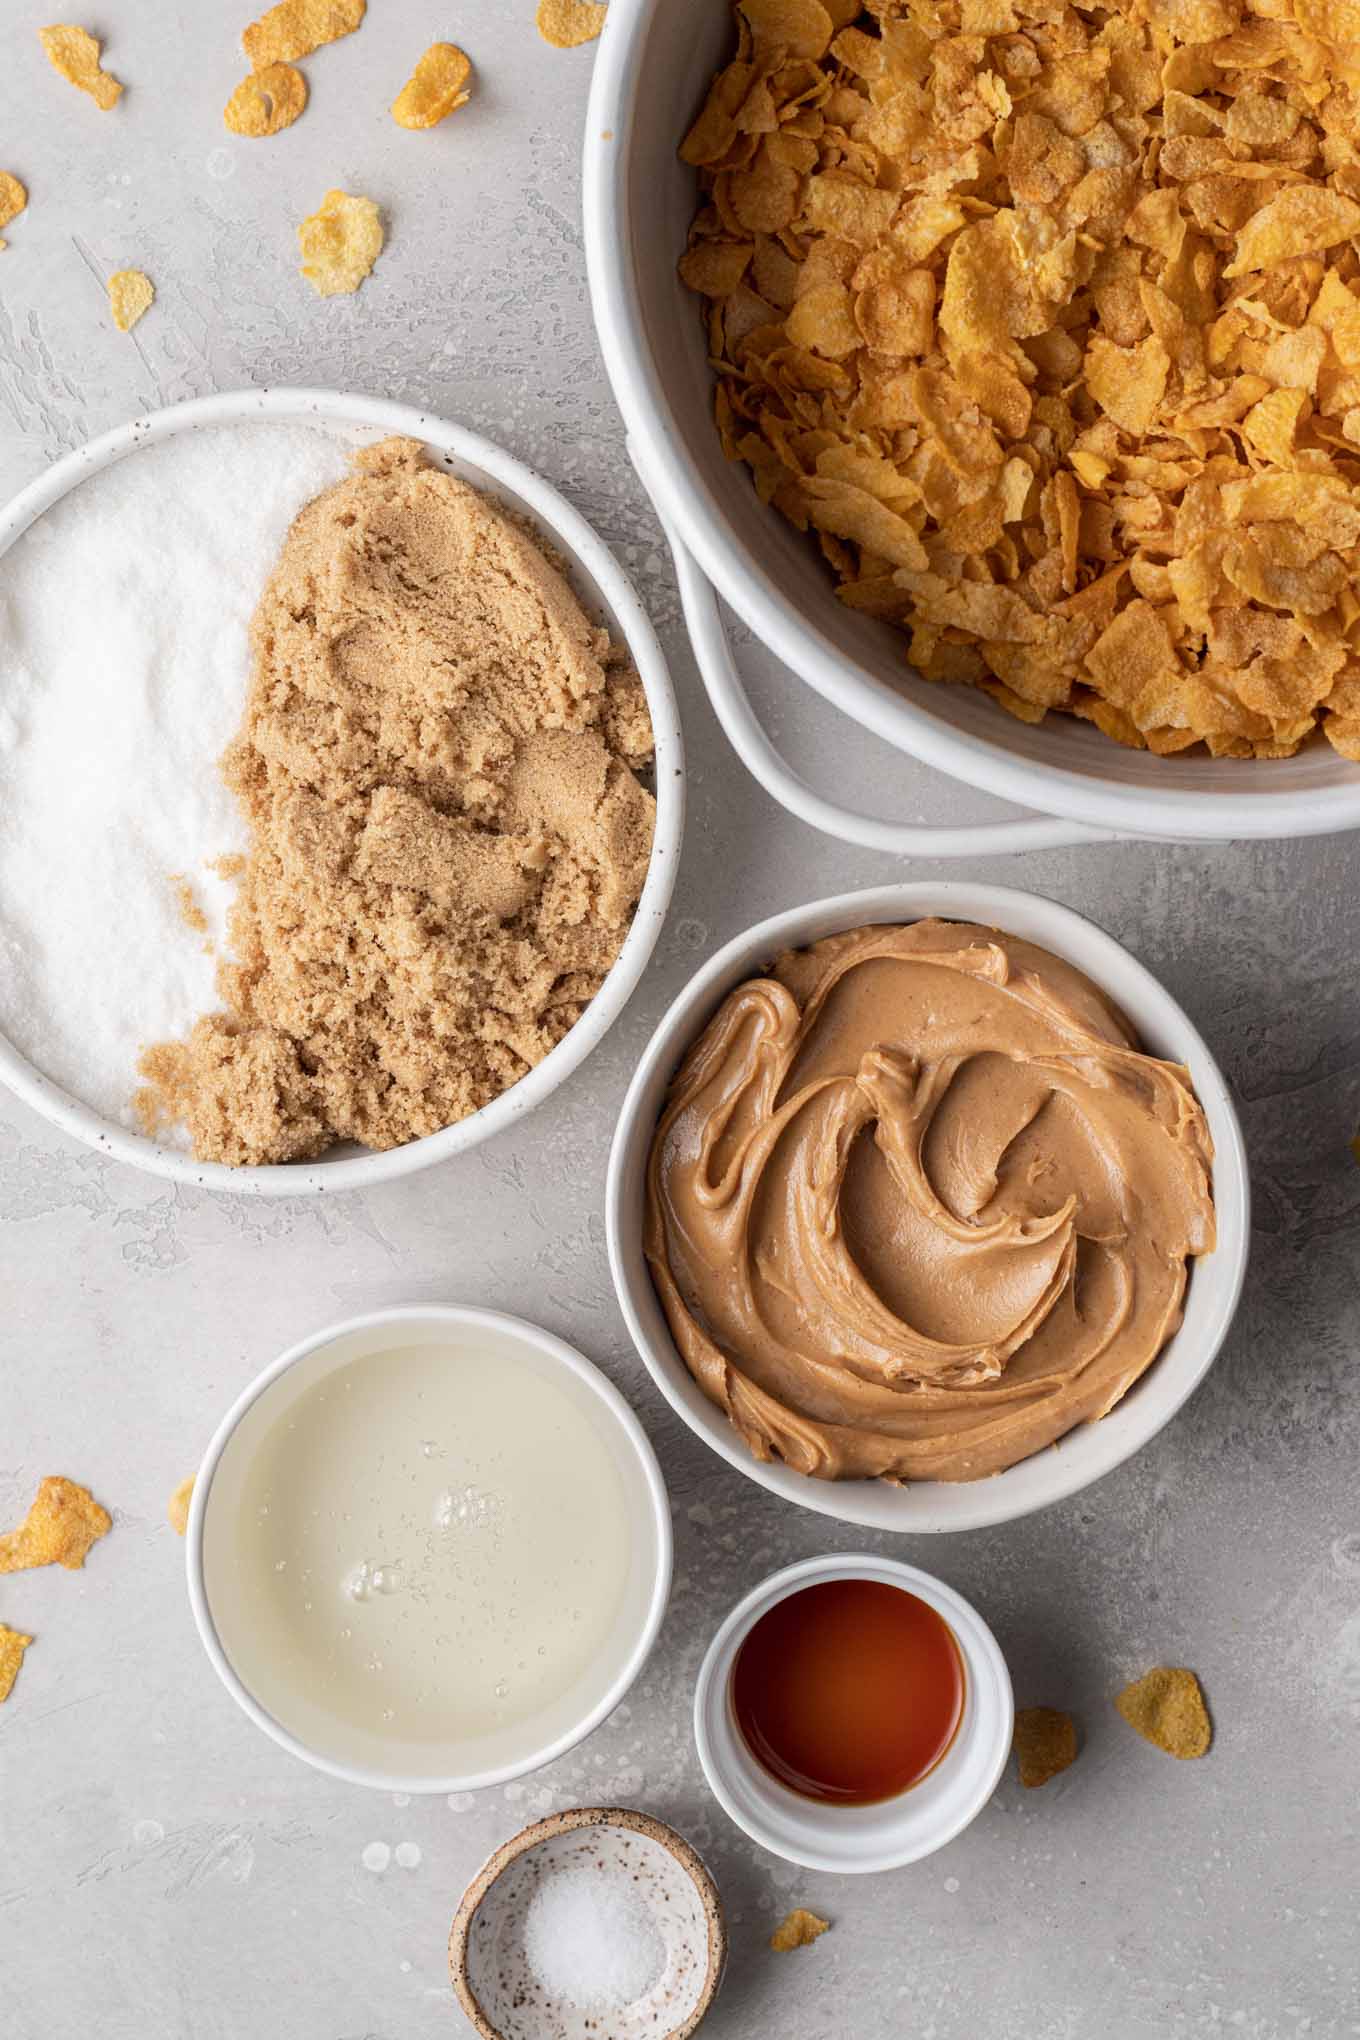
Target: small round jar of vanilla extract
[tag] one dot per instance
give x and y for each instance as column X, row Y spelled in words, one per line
column 853, row 1714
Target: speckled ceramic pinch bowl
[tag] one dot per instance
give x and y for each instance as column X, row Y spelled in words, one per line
column 606, row 593
column 497, row 1987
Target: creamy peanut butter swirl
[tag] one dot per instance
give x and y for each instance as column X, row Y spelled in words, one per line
column 917, row 1204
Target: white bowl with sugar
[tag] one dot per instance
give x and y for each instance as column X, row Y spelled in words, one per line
column 128, row 575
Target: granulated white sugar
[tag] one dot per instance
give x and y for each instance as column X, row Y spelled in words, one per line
column 124, row 660
column 589, row 1938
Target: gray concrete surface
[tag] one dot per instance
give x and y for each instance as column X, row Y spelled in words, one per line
column 165, row 1872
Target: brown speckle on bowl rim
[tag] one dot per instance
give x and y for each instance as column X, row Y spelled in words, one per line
column 585, row 1817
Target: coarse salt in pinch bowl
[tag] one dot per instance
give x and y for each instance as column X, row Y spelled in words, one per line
column 1085, row 1452
column 606, row 594
column 654, row 71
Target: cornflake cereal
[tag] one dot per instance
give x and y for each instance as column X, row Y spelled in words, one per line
column 1045, row 1743
column 1047, row 323
column 566, row 24
column 75, row 53
column 340, row 243
column 266, row 102
column 131, row 293
column 437, row 87
column 797, row 1929
column 13, row 1644
column 64, row 1521
column 177, row 1508
column 13, row 199
column 295, row 28
column 1167, row 1708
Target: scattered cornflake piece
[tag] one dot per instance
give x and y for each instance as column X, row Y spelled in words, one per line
column 13, row 1644
column 267, row 101
column 177, row 1508
column 295, row 28
column 1167, row 1708
column 1045, row 1743
column 131, row 293
column 340, row 243
column 436, row 88
column 75, row 53
column 13, row 199
column 64, row 1521
column 566, row 24
column 797, row 1929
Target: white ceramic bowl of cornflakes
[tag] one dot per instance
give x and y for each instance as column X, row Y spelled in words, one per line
column 653, row 71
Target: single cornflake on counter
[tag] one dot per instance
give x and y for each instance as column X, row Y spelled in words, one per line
column 798, row 1929
column 64, row 1521
column 295, row 28
column 566, row 24
column 437, row 87
column 266, row 102
column 590, row 1939
column 74, row 52
column 1045, row 1743
column 177, row 1508
column 1167, row 1708
column 131, row 295
column 13, row 1644
column 13, row 199
column 340, row 243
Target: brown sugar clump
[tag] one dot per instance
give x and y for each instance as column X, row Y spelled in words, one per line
column 438, row 765
column 190, row 911
column 1167, row 1708
column 1045, row 1743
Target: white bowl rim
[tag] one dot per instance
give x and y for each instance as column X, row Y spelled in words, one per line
column 684, row 500
column 981, row 1504
column 464, row 1316
column 300, row 405
column 975, row 1638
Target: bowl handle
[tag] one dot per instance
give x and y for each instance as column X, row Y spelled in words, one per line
column 748, row 738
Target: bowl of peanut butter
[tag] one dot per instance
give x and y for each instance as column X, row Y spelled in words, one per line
column 927, row 1205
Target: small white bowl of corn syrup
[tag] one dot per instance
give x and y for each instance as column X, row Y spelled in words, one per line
column 429, row 1549
column 853, row 1714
